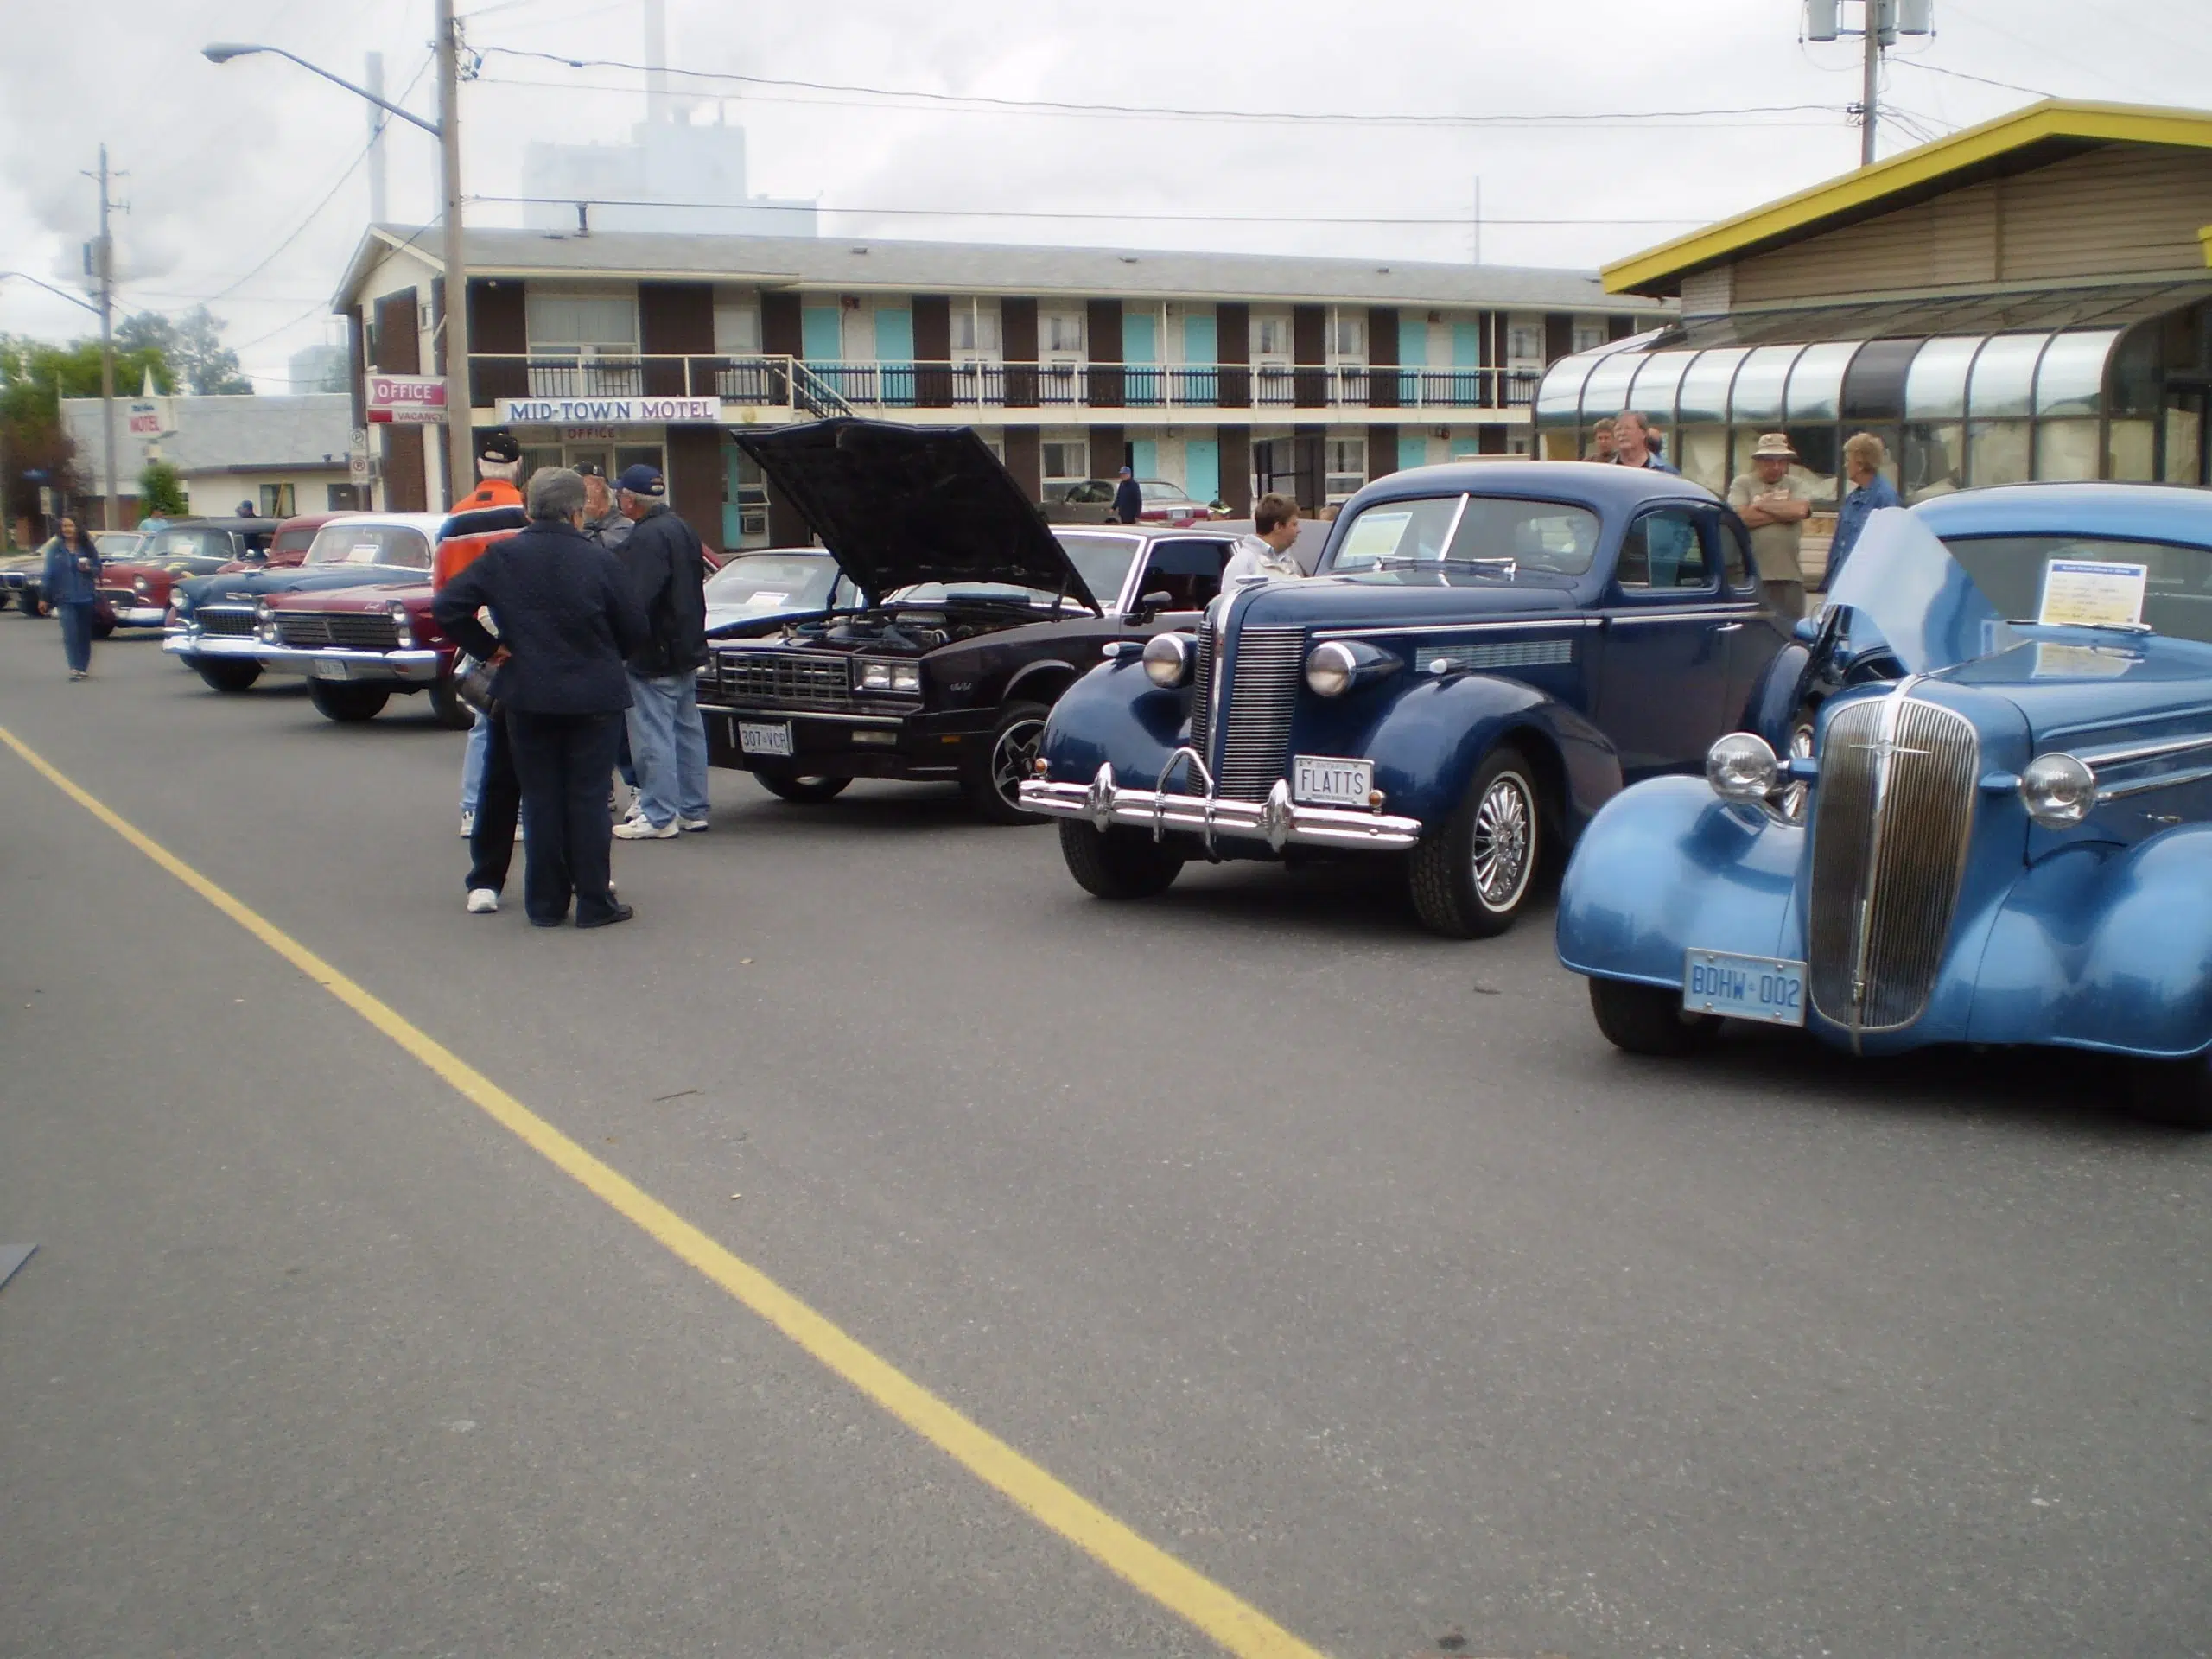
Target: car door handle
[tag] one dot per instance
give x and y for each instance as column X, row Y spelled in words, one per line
column 1728, row 627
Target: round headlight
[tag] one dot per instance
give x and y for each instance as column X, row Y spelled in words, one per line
column 1167, row 659
column 2058, row 791
column 1330, row 667
column 140, row 585
column 1741, row 767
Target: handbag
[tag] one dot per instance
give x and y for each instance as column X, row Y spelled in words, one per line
column 471, row 682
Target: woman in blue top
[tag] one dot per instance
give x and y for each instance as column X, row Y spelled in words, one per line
column 72, row 588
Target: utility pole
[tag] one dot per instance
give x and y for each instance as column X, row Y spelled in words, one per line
column 460, row 439
column 1869, row 88
column 103, row 272
column 376, row 119
column 1881, row 22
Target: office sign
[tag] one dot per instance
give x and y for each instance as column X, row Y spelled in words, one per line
column 606, row 411
column 405, row 399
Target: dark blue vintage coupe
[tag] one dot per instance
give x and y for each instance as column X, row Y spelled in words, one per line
column 1486, row 654
column 1991, row 822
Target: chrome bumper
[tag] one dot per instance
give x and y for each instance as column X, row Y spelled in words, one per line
column 418, row 665
column 179, row 643
column 139, row 616
column 1279, row 821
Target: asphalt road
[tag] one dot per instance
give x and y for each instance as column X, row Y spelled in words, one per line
column 1349, row 1266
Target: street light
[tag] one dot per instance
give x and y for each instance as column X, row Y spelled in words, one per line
column 461, row 468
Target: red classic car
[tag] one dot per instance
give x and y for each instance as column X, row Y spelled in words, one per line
column 135, row 592
column 359, row 646
column 294, row 537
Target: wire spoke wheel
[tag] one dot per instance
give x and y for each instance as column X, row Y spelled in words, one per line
column 1791, row 802
column 1503, row 841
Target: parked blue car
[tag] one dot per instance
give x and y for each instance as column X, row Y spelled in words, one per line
column 2006, row 835
column 1485, row 653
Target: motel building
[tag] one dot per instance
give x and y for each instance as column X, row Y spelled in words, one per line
column 2027, row 299
column 1221, row 373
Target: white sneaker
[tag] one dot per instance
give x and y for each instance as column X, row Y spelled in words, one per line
column 643, row 830
column 690, row 823
column 468, row 825
column 482, row 901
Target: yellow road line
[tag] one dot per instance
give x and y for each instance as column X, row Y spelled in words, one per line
column 1235, row 1623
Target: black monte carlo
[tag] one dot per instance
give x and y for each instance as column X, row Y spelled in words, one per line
column 973, row 616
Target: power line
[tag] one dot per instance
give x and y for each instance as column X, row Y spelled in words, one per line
column 983, row 104
column 1458, row 222
column 1961, row 74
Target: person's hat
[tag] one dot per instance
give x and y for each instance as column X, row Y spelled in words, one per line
column 641, row 480
column 590, row 469
column 499, row 444
column 1126, row 473
column 1774, row 446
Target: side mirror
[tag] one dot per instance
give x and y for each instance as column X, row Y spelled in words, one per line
column 1150, row 605
column 1806, row 629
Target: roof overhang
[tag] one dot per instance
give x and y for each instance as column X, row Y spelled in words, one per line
column 2018, row 142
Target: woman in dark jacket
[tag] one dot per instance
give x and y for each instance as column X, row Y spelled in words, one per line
column 72, row 588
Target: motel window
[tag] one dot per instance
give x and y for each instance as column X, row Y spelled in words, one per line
column 276, row 501
column 1347, row 468
column 1271, row 336
column 1589, row 333
column 582, row 325
column 1524, row 343
column 976, row 330
column 1067, row 460
column 737, row 330
column 1350, row 337
column 1063, row 331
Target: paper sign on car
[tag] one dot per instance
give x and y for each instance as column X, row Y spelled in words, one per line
column 2093, row 593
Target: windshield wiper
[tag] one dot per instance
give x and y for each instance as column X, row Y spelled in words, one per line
column 2107, row 627
column 1409, row 562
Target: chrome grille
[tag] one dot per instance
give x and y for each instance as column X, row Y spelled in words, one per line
column 1892, row 811
column 1202, row 693
column 1255, row 725
column 786, row 679
column 358, row 630
column 236, row 623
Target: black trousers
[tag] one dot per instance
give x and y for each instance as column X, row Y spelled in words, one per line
column 492, row 843
column 563, row 762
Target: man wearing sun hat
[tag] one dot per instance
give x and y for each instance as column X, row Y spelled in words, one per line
column 1774, row 503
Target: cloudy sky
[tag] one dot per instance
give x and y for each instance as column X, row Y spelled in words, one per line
column 246, row 188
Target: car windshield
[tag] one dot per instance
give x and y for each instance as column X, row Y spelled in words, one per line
column 185, row 542
column 1477, row 537
column 116, row 544
column 2015, row 573
column 768, row 582
column 291, row 541
column 1159, row 492
column 1104, row 561
column 396, row 544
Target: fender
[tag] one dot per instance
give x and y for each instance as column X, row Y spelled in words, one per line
column 1667, row 866
column 1115, row 714
column 1051, row 670
column 2104, row 948
column 1428, row 740
column 1776, row 697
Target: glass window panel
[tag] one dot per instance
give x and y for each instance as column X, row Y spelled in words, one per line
column 1558, row 399
column 2072, row 377
column 1997, row 453
column 1820, row 460
column 1932, row 459
column 2129, row 448
column 2003, row 376
column 1936, row 387
column 2066, row 448
column 1816, row 384
column 1654, row 391
column 1703, row 455
column 2184, row 440
column 1874, row 388
column 1605, row 392
column 1757, row 396
column 1704, row 393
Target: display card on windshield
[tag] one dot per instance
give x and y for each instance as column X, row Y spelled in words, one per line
column 2093, row 593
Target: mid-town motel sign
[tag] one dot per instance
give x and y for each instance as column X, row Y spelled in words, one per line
column 606, row 411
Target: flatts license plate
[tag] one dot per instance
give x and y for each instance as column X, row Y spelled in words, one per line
column 331, row 668
column 1764, row 989
column 1322, row 781
column 763, row 737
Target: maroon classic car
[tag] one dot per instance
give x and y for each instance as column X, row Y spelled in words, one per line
column 359, row 646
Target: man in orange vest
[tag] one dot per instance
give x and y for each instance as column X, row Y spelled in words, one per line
column 493, row 510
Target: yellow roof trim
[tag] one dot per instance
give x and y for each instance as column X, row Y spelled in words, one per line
column 2051, row 119
column 2204, row 237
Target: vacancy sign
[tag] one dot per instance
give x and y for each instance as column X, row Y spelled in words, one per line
column 406, row 399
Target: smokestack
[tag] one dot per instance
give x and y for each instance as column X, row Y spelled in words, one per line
column 656, row 107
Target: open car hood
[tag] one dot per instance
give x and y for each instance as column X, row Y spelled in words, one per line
column 900, row 505
column 1904, row 589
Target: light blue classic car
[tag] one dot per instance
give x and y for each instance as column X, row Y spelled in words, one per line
column 1996, row 827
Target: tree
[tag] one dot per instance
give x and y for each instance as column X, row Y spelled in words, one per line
column 161, row 491
column 35, row 376
column 192, row 344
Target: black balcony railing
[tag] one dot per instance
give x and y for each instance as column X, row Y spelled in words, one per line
column 769, row 381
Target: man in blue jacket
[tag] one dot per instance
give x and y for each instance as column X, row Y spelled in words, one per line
column 565, row 620
column 667, row 573
column 1863, row 455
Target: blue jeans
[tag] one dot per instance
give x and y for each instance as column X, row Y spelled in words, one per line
column 77, row 635
column 472, row 762
column 669, row 745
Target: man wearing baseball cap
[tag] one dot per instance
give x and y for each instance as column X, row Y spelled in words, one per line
column 667, row 571
column 493, row 508
column 1774, row 503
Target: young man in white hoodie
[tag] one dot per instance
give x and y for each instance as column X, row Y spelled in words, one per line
column 1265, row 554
